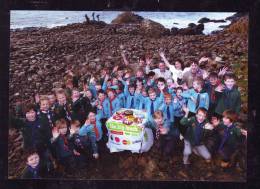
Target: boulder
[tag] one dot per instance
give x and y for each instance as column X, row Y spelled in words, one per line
column 126, row 18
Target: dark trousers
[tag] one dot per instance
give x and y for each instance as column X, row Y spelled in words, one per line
column 181, row 128
column 166, row 144
column 104, row 128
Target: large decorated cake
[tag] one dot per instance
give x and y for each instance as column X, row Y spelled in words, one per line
column 126, row 131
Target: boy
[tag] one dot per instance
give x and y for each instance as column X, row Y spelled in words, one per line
column 142, row 98
column 34, row 169
column 82, row 144
column 80, row 106
column 210, row 87
column 92, row 128
column 178, row 103
column 165, row 141
column 152, row 103
column 62, row 108
column 114, row 103
column 229, row 95
column 197, row 97
column 230, row 137
column 52, row 101
column 130, row 95
column 64, row 152
column 194, row 136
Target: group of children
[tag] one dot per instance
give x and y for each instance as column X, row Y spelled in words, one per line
column 67, row 126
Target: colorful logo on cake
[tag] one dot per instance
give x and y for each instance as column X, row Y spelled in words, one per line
column 126, row 142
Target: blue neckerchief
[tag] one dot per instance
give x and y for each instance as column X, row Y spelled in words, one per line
column 198, row 132
column 34, row 171
column 225, row 136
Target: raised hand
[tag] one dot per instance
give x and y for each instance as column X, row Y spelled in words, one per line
column 148, row 60
column 72, row 130
column 37, row 98
column 185, row 109
column 243, row 132
column 162, row 55
column 175, row 100
column 209, row 126
column 203, row 59
column 205, row 75
column 115, row 68
column 55, row 132
column 76, row 153
column 96, row 155
column 222, row 71
column 219, row 88
column 87, row 122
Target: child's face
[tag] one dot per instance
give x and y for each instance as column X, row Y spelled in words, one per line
column 76, row 129
column 52, row 99
column 89, row 94
column 111, row 95
column 141, row 62
column 31, row 115
column 61, row 99
column 120, row 73
column 178, row 65
column 131, row 90
column 139, row 74
column 196, row 85
column 114, row 81
column 158, row 120
column 169, row 83
column 33, row 160
column 213, row 81
column 63, row 130
column 44, row 105
column 168, row 101
column 200, row 116
column 178, row 93
column 229, row 83
column 152, row 95
column 144, row 93
column 139, row 83
column 161, row 85
column 101, row 96
column 98, row 87
column 226, row 121
column 92, row 117
column 75, row 94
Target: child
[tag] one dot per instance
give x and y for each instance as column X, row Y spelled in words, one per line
column 194, row 136
column 151, row 80
column 130, row 95
column 34, row 133
column 210, row 87
column 92, row 127
column 82, row 144
column 91, row 98
column 142, row 98
column 165, row 141
column 62, row 108
column 167, row 108
column 52, row 101
column 197, row 97
column 34, row 169
column 230, row 137
column 80, row 106
column 64, row 152
column 121, row 95
column 178, row 103
column 229, row 95
column 161, row 86
column 152, row 103
column 114, row 103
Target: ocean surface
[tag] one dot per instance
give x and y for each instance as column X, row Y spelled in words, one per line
column 50, row 19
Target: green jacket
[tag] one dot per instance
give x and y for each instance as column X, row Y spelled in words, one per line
column 228, row 100
column 234, row 137
column 191, row 124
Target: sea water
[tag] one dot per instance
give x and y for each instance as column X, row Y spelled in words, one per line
column 50, row 19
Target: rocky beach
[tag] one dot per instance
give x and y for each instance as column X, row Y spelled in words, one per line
column 39, row 58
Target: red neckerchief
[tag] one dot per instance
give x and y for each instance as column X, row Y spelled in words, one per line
column 111, row 107
column 65, row 140
column 96, row 129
